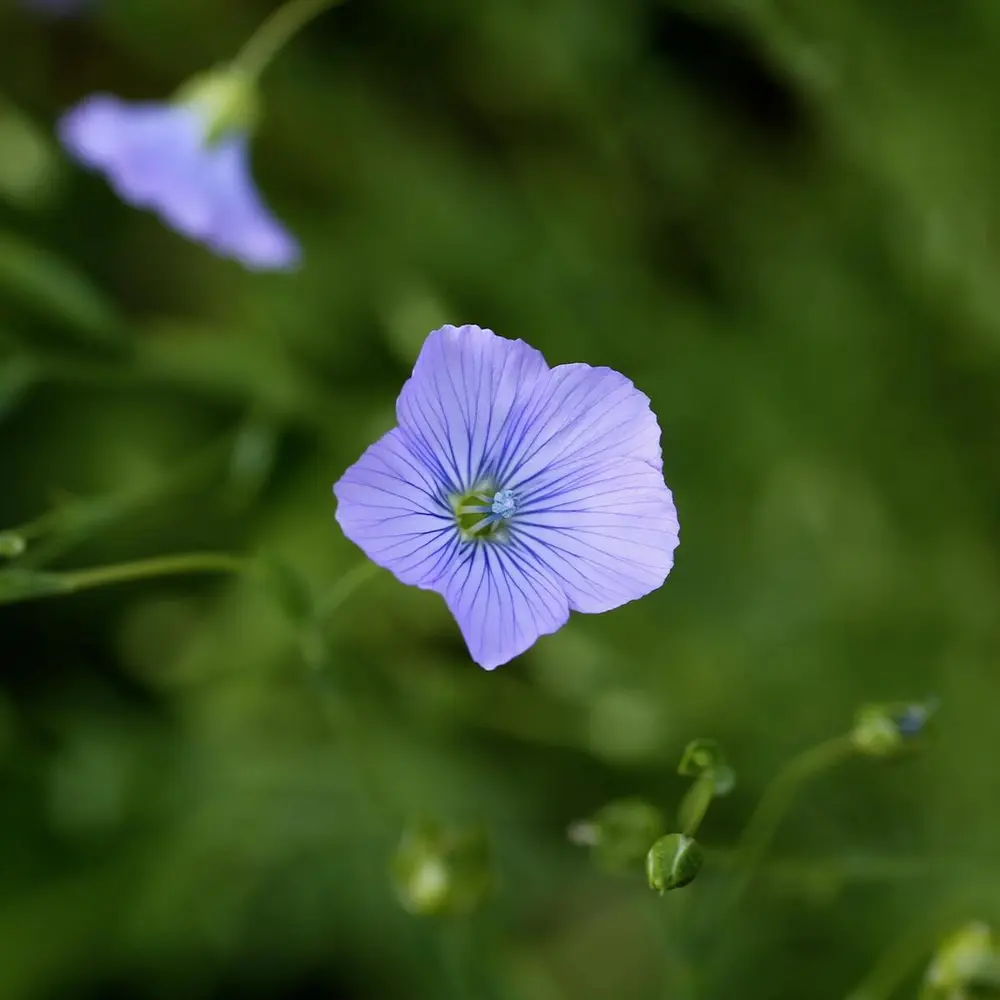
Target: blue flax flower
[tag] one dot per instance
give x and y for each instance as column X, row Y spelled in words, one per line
column 164, row 157
column 56, row 8
column 517, row 491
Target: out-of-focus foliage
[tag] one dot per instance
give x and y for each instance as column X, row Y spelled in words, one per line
column 780, row 219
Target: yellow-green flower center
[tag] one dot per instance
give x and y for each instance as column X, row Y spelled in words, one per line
column 484, row 512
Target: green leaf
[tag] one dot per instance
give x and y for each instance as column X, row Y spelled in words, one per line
column 54, row 289
column 30, row 162
column 17, row 375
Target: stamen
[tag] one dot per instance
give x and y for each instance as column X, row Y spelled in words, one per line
column 504, row 503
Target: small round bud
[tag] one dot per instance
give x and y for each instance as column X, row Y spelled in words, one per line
column 619, row 834
column 673, row 861
column 876, row 735
column 966, row 964
column 11, row 545
column 888, row 729
column 700, row 755
column 437, row 871
column 704, row 756
column 912, row 720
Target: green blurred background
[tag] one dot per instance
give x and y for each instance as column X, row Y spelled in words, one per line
column 780, row 218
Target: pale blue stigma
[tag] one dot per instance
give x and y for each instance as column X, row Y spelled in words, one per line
column 504, row 503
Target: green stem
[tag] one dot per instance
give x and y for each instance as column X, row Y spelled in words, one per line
column 695, row 804
column 77, row 519
column 344, row 588
column 777, row 798
column 276, row 31
column 144, row 569
column 333, row 699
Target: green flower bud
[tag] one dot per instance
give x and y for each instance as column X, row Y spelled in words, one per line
column 965, row 965
column 620, row 833
column 673, row 861
column 11, row 545
column 436, row 871
column 704, row 756
column 890, row 728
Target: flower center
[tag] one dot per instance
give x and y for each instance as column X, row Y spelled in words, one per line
column 484, row 512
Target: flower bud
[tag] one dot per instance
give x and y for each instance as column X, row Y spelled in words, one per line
column 436, row 871
column 888, row 729
column 11, row 545
column 966, row 964
column 673, row 861
column 704, row 756
column 619, row 833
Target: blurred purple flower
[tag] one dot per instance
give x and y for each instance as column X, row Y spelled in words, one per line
column 56, row 8
column 160, row 156
column 517, row 491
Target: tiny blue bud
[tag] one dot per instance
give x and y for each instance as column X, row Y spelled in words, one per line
column 673, row 862
column 912, row 720
column 888, row 729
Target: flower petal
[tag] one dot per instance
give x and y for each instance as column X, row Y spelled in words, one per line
column 151, row 154
column 389, row 505
column 502, row 602
column 579, row 414
column 463, row 399
column 242, row 226
column 103, row 130
column 606, row 531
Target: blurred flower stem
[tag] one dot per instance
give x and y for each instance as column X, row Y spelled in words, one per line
column 78, row 519
column 146, row 569
column 777, row 799
column 332, row 694
column 344, row 588
column 276, row 31
column 18, row 585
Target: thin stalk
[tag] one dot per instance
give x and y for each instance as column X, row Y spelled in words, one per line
column 777, row 799
column 276, row 31
column 146, row 569
column 344, row 588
